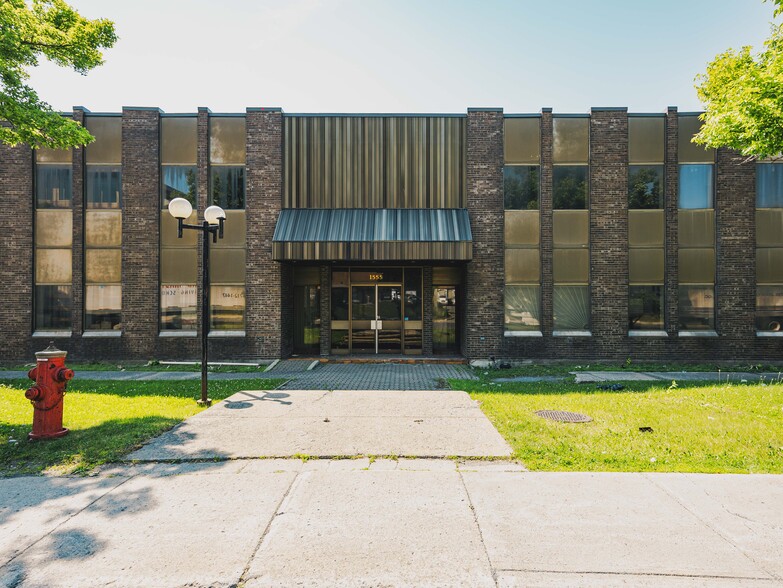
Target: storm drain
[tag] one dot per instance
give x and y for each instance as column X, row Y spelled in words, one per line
column 564, row 416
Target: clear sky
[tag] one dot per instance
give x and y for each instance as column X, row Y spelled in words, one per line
column 405, row 55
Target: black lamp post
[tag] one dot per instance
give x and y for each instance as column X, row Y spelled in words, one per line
column 214, row 217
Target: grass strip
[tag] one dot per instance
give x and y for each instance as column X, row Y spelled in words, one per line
column 107, row 420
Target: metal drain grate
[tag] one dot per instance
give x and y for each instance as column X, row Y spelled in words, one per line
column 564, row 416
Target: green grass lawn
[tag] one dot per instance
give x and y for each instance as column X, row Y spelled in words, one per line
column 695, row 427
column 107, row 420
column 564, row 369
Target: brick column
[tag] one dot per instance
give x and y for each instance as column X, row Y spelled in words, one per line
column 325, row 274
column 609, row 228
column 203, row 201
column 268, row 324
column 140, row 230
column 671, row 223
column 546, row 219
column 426, row 293
column 77, row 202
column 485, row 278
column 16, row 242
column 735, row 250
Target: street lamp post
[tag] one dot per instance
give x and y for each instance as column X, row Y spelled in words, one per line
column 214, row 217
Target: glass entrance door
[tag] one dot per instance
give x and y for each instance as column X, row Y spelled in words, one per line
column 376, row 318
column 444, row 320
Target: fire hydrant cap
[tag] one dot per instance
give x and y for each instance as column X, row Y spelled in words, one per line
column 50, row 352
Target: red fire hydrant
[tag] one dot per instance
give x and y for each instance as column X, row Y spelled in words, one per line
column 46, row 396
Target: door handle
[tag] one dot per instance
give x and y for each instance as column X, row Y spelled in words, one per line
column 379, row 325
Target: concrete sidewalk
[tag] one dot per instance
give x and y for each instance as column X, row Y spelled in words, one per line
column 286, row 423
column 388, row 523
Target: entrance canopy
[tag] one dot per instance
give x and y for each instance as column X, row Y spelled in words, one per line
column 379, row 234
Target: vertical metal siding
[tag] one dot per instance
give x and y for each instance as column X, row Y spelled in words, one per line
column 374, row 162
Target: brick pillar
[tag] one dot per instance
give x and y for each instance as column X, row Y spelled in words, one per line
column 140, row 230
column 735, row 210
column 671, row 220
column 325, row 275
column 426, row 293
column 203, row 201
column 484, row 289
column 609, row 228
column 77, row 202
column 268, row 320
column 16, row 244
column 546, row 219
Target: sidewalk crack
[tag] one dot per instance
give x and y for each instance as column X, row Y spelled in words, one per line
column 478, row 527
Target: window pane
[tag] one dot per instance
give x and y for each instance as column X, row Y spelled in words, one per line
column 104, row 186
column 53, row 308
column 769, row 308
column 228, row 187
column 339, row 304
column 570, row 187
column 523, row 306
column 53, row 186
column 307, row 319
column 696, row 186
column 697, row 308
column 179, row 181
column 769, row 185
column 571, row 140
column 103, row 306
column 178, row 307
column 340, row 340
column 645, row 308
column 363, row 303
column 520, row 187
column 227, row 308
column 645, row 186
column 571, row 308
column 413, row 294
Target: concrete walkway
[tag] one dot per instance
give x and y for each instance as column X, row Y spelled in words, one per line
column 440, row 423
column 388, row 523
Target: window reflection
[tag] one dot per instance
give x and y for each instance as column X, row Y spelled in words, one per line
column 520, row 187
column 227, row 308
column 179, row 181
column 645, row 308
column 178, row 307
column 571, row 308
column 769, row 185
column 522, row 308
column 696, row 185
column 103, row 307
column 53, row 186
column 696, row 306
column 104, row 186
column 227, row 187
column 53, row 307
column 569, row 184
column 645, row 190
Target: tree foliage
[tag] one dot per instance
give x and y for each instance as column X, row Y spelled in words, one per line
column 54, row 30
column 742, row 94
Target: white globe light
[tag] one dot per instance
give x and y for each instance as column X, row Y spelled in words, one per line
column 180, row 208
column 213, row 214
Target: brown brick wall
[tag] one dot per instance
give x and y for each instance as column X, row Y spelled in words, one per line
column 671, row 220
column 325, row 273
column 609, row 228
column 140, row 231
column 547, row 228
column 16, row 259
column 268, row 282
column 483, row 332
column 427, row 293
column 735, row 212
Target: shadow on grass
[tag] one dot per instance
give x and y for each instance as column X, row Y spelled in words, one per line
column 555, row 388
column 80, row 450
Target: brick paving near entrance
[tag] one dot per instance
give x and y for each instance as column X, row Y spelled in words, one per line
column 324, row 376
column 367, row 376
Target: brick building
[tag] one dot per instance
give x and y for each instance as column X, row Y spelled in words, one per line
column 604, row 235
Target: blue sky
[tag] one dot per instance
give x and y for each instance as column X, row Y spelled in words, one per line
column 405, row 55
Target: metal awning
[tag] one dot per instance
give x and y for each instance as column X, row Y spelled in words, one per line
column 379, row 234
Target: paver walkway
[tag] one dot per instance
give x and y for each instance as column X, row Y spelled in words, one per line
column 327, row 376
column 388, row 523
